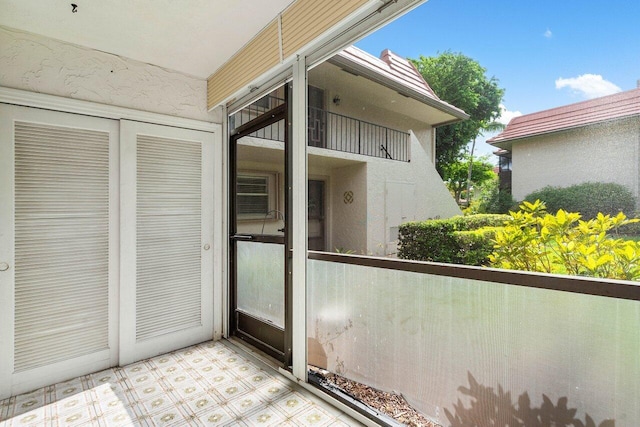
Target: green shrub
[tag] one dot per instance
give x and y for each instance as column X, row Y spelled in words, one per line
column 475, row 222
column 632, row 229
column 458, row 240
column 475, row 246
column 430, row 240
column 589, row 198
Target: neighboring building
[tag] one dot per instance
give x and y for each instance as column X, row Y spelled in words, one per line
column 371, row 154
column 591, row 141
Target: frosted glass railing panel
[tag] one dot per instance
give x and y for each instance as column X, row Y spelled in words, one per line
column 260, row 279
column 430, row 336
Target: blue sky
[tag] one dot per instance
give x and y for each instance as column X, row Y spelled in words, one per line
column 545, row 53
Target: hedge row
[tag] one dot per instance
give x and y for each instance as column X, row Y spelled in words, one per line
column 458, row 240
column 589, row 199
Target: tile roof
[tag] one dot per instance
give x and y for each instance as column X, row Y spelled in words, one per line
column 391, row 66
column 619, row 105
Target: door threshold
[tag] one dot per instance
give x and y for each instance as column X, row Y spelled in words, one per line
column 258, row 354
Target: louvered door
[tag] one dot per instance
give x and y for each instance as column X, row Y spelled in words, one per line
column 166, row 237
column 58, row 243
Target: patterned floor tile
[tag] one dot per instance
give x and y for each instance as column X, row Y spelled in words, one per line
column 120, row 418
column 189, row 390
column 314, row 416
column 210, row 384
column 34, row 417
column 291, row 403
column 27, row 402
column 218, row 416
column 274, row 388
column 265, row 416
column 199, row 403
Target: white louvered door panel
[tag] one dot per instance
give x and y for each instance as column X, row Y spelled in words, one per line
column 167, row 220
column 58, row 201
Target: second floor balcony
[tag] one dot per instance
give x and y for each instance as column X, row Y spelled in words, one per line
column 333, row 131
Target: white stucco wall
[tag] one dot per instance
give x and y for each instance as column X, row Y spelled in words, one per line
column 40, row 64
column 431, row 197
column 602, row 153
column 349, row 220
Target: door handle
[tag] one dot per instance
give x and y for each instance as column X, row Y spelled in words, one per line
column 4, row 266
column 246, row 237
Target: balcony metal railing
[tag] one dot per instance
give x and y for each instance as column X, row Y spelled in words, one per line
column 274, row 132
column 333, row 132
column 341, row 133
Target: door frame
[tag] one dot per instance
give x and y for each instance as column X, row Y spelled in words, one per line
column 325, row 208
column 268, row 338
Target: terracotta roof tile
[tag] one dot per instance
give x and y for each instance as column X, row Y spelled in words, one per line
column 619, row 105
column 392, row 66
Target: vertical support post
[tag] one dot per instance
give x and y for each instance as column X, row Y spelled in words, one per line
column 359, row 139
column 298, row 236
column 386, row 141
column 221, row 301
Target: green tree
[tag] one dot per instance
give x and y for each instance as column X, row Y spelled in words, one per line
column 457, row 174
column 492, row 200
column 490, row 127
column 460, row 81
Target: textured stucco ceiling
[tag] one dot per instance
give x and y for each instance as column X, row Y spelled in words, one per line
column 191, row 36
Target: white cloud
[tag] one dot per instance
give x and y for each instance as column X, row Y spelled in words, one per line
column 548, row 34
column 506, row 115
column 588, row 86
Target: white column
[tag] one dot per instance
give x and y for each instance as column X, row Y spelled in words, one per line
column 221, row 303
column 299, row 212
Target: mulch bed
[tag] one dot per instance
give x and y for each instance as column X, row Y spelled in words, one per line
column 391, row 404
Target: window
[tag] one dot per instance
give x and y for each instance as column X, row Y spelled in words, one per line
column 256, row 195
column 505, row 164
column 317, row 118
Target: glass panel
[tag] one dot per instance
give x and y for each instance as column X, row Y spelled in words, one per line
column 260, row 271
column 440, row 340
column 260, row 194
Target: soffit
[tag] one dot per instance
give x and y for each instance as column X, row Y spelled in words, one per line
column 193, row 36
column 362, row 92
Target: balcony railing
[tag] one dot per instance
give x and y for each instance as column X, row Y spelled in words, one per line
column 333, row 132
column 469, row 343
column 341, row 133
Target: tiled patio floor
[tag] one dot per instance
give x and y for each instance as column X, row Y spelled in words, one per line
column 209, row 384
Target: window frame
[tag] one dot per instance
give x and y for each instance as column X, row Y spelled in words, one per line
column 271, row 193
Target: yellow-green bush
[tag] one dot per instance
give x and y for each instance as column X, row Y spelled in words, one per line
column 535, row 240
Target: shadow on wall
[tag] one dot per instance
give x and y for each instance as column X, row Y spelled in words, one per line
column 489, row 408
